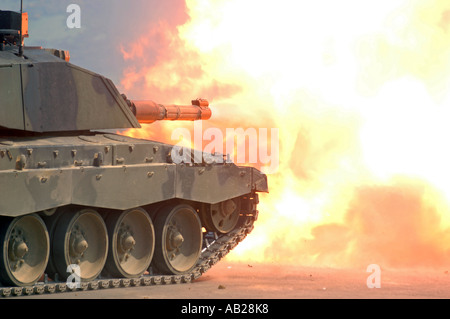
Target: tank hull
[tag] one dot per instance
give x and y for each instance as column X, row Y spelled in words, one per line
column 67, row 200
column 109, row 171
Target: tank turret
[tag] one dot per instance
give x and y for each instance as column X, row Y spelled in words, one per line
column 77, row 203
column 43, row 92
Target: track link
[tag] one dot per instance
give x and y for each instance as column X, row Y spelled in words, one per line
column 215, row 248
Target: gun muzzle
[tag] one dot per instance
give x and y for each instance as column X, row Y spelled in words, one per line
column 149, row 111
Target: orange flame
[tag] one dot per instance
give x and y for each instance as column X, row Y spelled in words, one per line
column 360, row 94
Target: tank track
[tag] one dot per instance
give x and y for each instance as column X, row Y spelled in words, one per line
column 215, row 247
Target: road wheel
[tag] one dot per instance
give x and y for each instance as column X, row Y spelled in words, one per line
column 25, row 250
column 178, row 233
column 131, row 243
column 80, row 241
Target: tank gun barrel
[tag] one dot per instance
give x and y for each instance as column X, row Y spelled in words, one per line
column 149, row 111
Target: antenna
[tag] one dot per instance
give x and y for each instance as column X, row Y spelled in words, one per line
column 21, row 30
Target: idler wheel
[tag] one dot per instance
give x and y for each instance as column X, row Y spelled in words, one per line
column 131, row 243
column 80, row 238
column 178, row 233
column 222, row 217
column 25, row 250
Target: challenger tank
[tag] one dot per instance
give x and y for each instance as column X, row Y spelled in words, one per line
column 84, row 207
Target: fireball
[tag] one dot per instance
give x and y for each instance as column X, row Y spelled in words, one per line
column 359, row 95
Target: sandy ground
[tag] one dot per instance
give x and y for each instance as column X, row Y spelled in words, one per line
column 233, row 281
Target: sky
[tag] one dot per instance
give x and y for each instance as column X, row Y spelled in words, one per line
column 105, row 25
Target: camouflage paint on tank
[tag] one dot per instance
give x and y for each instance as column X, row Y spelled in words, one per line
column 109, row 171
column 44, row 93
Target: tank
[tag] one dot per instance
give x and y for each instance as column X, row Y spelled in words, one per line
column 79, row 204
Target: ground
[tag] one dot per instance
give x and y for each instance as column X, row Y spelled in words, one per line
column 237, row 281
